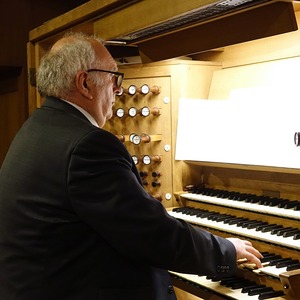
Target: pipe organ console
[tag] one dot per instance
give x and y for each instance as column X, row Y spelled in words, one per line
column 259, row 204
column 145, row 119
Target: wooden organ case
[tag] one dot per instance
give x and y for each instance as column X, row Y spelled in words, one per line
column 226, row 199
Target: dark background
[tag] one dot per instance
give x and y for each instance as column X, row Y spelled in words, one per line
column 17, row 18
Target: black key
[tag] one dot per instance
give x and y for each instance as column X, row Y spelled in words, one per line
column 221, row 218
column 180, row 209
column 251, row 287
column 287, row 263
column 227, row 280
column 235, row 221
column 270, row 258
column 247, row 223
column 255, row 224
column 243, row 221
column 268, row 228
column 226, row 221
column 275, row 261
column 225, row 195
column 241, row 285
column 283, row 203
column 236, row 281
column 239, row 197
column 212, row 216
column 266, row 253
column 271, row 294
column 291, row 204
column 201, row 212
column 275, row 230
column 262, row 199
column 210, row 193
column 266, row 201
column 204, row 215
column 296, row 236
column 234, row 196
column 193, row 212
column 293, row 267
column 258, row 291
column 283, row 230
column 291, row 232
column 251, row 198
column 274, row 201
column 215, row 216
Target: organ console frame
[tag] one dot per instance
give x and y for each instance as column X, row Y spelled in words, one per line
column 100, row 18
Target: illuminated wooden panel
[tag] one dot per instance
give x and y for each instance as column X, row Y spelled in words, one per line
column 268, row 20
column 255, row 126
column 267, row 49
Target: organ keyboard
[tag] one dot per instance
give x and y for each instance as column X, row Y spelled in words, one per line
column 271, row 224
column 231, row 287
column 255, row 229
column 245, row 201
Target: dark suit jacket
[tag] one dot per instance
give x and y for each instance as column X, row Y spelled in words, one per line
column 76, row 223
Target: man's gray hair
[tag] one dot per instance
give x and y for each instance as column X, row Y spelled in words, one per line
column 58, row 67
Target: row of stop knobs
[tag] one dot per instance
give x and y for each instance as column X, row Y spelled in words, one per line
column 153, row 178
column 144, row 90
column 147, row 159
column 133, row 112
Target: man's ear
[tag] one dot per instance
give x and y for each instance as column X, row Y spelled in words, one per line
column 81, row 81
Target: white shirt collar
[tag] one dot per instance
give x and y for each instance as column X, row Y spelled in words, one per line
column 84, row 112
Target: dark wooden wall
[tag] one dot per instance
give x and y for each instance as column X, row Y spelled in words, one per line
column 17, row 18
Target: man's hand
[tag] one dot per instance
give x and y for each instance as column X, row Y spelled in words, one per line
column 245, row 250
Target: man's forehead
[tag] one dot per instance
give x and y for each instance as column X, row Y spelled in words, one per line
column 104, row 56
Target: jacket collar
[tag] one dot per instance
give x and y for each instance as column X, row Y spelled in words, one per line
column 59, row 104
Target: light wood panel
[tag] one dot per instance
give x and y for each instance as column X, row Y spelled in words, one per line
column 78, row 15
column 267, row 49
column 272, row 19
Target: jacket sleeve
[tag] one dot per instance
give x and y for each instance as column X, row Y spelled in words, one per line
column 106, row 194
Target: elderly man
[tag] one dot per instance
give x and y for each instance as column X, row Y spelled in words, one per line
column 75, row 221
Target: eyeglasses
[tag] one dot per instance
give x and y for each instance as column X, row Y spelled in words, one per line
column 119, row 76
